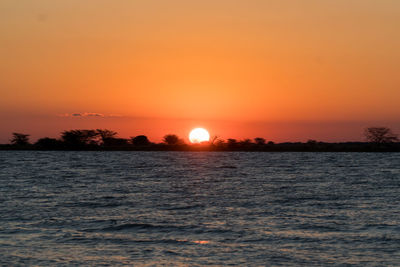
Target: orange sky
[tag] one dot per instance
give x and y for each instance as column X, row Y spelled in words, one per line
column 283, row 70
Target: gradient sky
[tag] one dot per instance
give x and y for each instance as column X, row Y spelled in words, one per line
column 283, row 70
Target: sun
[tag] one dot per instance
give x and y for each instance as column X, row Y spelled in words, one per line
column 199, row 135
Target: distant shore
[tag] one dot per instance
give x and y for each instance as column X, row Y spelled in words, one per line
column 279, row 147
column 380, row 139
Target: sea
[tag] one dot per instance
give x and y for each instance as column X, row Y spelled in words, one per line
column 199, row 209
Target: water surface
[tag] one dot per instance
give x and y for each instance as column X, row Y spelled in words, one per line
column 199, row 208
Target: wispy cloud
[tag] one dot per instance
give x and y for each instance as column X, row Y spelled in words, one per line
column 88, row 114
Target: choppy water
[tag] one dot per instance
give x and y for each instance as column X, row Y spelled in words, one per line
column 204, row 208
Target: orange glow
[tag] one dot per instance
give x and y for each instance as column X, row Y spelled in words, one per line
column 202, row 242
column 199, row 135
column 158, row 67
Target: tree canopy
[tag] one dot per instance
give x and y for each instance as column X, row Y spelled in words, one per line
column 20, row 139
column 140, row 140
column 171, row 139
column 380, row 135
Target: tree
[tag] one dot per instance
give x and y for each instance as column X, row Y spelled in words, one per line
column 214, row 139
column 140, row 140
column 245, row 142
column 106, row 136
column 114, row 142
column 79, row 138
column 48, row 143
column 380, row 135
column 220, row 143
column 232, row 143
column 171, row 139
column 312, row 142
column 259, row 141
column 20, row 139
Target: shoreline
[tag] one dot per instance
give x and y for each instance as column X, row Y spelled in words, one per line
column 281, row 147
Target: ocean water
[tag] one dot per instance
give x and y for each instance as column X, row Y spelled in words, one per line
column 199, row 209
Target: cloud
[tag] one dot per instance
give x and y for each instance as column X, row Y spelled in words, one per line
column 116, row 116
column 84, row 114
column 91, row 114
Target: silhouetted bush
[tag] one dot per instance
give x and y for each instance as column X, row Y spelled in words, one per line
column 259, row 141
column 48, row 143
column 381, row 139
column 245, row 144
column 232, row 143
column 140, row 140
column 115, row 142
column 172, row 139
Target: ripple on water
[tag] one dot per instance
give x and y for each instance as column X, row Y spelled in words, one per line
column 198, row 209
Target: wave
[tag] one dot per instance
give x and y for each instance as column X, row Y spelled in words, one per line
column 147, row 226
column 93, row 204
column 196, row 229
column 226, row 167
column 185, row 207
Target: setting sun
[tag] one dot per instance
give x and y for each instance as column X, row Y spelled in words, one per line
column 199, row 135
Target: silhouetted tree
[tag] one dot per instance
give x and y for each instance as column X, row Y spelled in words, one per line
column 232, row 143
column 219, row 143
column 89, row 140
column 79, row 138
column 245, row 143
column 48, row 143
column 140, row 140
column 20, row 139
column 114, row 142
column 380, row 135
column 214, row 139
column 171, row 139
column 259, row 141
column 106, row 136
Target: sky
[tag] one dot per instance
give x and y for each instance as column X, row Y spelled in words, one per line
column 283, row 70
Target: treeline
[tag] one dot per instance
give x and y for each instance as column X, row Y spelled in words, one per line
column 379, row 139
